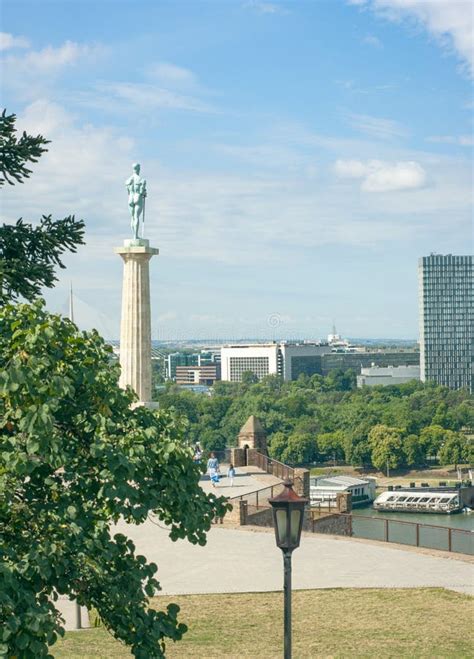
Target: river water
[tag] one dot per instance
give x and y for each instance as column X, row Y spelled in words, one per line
column 454, row 520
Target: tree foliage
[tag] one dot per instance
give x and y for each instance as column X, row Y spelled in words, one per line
column 386, row 445
column 29, row 254
column 75, row 458
column 454, row 449
column 15, row 153
column 338, row 420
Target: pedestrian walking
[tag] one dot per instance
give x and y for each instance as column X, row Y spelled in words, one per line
column 231, row 474
column 197, row 453
column 213, row 469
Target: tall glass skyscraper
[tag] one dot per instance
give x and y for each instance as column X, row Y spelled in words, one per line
column 446, row 302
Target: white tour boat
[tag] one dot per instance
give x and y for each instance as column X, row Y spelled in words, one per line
column 421, row 500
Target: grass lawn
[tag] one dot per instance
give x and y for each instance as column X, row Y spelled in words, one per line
column 428, row 622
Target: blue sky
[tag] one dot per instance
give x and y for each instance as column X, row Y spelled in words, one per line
column 300, row 156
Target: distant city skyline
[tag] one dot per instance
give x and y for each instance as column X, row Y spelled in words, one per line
column 300, row 157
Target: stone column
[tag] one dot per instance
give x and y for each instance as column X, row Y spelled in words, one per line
column 135, row 327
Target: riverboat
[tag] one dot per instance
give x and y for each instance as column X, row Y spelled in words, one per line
column 420, row 500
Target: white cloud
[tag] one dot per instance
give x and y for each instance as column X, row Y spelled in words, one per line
column 372, row 40
column 377, row 127
column 8, row 41
column 379, row 176
column 450, row 22
column 350, row 169
column 50, row 60
column 81, row 172
column 265, row 7
column 461, row 140
column 171, row 73
column 198, row 215
column 125, row 96
column 34, row 72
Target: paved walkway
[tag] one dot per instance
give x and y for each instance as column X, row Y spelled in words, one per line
column 247, row 561
column 247, row 479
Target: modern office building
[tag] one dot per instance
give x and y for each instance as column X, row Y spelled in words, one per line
column 286, row 359
column 210, row 356
column 446, row 303
column 357, row 361
column 176, row 359
column 386, row 375
column 206, row 375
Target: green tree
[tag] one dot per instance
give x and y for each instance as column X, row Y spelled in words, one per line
column 357, row 450
column 441, row 418
column 432, row 438
column 29, row 255
column 249, row 377
column 74, row 459
column 331, row 444
column 340, row 380
column 301, row 448
column 15, row 153
column 277, row 445
column 414, row 450
column 386, row 444
column 454, row 450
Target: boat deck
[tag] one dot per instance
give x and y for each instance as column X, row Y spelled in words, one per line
column 426, row 501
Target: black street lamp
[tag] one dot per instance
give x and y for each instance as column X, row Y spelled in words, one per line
column 288, row 515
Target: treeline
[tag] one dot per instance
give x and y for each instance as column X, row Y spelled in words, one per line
column 317, row 419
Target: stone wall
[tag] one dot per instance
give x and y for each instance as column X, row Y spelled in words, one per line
column 238, row 515
column 252, row 456
column 237, row 457
column 331, row 524
column 301, row 482
column 260, row 516
column 344, row 502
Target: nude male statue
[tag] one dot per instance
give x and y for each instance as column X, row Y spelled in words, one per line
column 136, row 188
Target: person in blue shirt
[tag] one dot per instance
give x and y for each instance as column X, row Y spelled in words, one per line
column 231, row 474
column 213, row 469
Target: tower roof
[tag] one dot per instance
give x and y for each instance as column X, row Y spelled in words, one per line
column 252, row 427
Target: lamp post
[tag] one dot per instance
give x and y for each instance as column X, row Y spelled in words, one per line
column 288, row 514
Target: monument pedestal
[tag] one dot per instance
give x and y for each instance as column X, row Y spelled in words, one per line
column 135, row 327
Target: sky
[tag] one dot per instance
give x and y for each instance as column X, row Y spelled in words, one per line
column 300, row 156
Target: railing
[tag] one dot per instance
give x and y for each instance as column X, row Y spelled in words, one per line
column 259, row 498
column 324, row 506
column 274, row 467
column 414, row 534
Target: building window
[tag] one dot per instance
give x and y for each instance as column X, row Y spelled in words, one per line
column 239, row 365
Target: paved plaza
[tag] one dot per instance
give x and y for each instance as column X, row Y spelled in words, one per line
column 249, row 561
column 247, row 479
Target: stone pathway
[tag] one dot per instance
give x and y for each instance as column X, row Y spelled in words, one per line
column 247, row 561
column 247, row 479
column 244, row 560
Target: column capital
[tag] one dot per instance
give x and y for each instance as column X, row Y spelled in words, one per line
column 139, row 246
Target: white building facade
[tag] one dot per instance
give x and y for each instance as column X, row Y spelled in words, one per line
column 288, row 360
column 386, row 375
